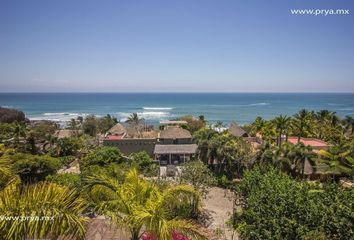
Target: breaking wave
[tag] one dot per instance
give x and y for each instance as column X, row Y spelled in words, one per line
column 335, row 104
column 150, row 115
column 57, row 117
column 259, row 104
column 346, row 109
column 157, row 108
column 62, row 114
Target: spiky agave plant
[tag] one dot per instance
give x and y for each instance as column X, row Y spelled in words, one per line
column 43, row 210
column 138, row 204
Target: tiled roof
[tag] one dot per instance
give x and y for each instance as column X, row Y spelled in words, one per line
column 113, row 137
column 313, row 142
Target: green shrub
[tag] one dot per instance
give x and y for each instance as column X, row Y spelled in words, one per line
column 144, row 163
column 32, row 168
column 66, row 179
column 102, row 156
column 275, row 206
column 197, row 174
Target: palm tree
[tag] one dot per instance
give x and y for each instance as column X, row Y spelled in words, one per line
column 19, row 131
column 281, row 125
column 138, row 204
column 202, row 138
column 136, row 122
column 265, row 155
column 7, row 176
column 325, row 120
column 323, row 115
column 219, row 125
column 73, row 124
column 300, row 155
column 134, row 119
column 282, row 157
column 257, row 125
column 47, row 210
column 348, row 122
column 301, row 123
column 335, row 160
column 334, row 120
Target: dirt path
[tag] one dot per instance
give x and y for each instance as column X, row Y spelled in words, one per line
column 218, row 209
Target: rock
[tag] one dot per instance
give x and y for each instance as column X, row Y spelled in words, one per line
column 8, row 115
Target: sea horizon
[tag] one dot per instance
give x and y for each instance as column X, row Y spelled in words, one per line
column 156, row 106
column 179, row 92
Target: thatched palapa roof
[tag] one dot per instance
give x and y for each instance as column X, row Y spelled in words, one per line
column 236, row 131
column 174, row 132
column 175, row 149
column 67, row 133
column 117, row 129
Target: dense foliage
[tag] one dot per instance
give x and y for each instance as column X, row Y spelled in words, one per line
column 275, row 206
column 32, row 168
column 144, row 163
column 102, row 156
column 70, row 180
column 228, row 155
column 323, row 124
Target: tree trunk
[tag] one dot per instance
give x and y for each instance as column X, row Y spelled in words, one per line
column 135, row 234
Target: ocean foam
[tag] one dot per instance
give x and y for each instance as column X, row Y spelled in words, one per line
column 63, row 114
column 157, row 108
column 259, row 104
column 346, row 109
column 335, row 104
column 151, row 115
column 57, row 117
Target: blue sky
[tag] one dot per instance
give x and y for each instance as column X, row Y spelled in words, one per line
column 175, row 45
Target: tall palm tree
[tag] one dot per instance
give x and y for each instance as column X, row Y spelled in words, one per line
column 138, row 204
column 46, row 210
column 136, row 123
column 134, row 119
column 323, row 115
column 281, row 125
column 257, row 125
column 348, row 122
column 73, row 124
column 301, row 123
column 202, row 138
column 219, row 125
column 334, row 120
column 19, row 131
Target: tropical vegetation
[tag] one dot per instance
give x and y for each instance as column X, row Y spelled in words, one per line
column 274, row 197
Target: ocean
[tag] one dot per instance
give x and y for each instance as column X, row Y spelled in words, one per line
column 153, row 107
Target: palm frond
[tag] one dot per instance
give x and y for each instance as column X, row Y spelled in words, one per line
column 50, row 210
